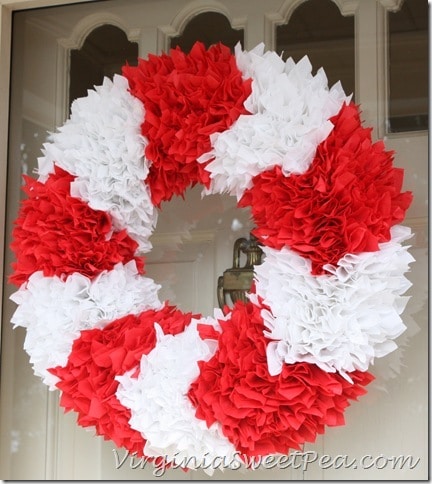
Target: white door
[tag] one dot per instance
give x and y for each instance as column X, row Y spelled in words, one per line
column 385, row 436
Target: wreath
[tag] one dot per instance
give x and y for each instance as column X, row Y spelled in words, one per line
column 265, row 376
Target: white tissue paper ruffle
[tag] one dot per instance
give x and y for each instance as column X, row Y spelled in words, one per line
column 102, row 145
column 159, row 405
column 340, row 321
column 290, row 117
column 54, row 311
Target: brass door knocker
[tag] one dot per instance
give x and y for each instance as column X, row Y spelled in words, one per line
column 237, row 281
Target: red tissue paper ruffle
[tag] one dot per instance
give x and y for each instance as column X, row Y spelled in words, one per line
column 60, row 234
column 345, row 203
column 187, row 97
column 263, row 414
column 88, row 384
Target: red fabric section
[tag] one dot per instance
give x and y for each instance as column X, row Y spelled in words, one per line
column 88, row 382
column 187, row 97
column 59, row 234
column 346, row 202
column 263, row 414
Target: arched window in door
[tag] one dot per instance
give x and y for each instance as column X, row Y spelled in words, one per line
column 319, row 30
column 105, row 50
column 209, row 28
column 408, row 67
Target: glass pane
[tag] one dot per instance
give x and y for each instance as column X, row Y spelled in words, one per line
column 105, row 51
column 408, row 67
column 210, row 28
column 317, row 29
column 194, row 245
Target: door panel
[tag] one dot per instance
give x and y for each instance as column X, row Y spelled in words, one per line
column 193, row 245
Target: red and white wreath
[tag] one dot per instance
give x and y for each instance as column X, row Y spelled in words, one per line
column 263, row 377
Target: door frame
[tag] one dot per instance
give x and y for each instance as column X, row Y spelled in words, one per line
column 369, row 92
column 7, row 9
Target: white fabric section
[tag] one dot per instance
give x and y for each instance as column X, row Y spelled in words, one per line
column 101, row 144
column 290, row 110
column 340, row 321
column 160, row 408
column 54, row 311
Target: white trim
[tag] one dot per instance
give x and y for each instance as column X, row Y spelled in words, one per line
column 346, row 7
column 184, row 237
column 283, row 15
column 14, row 5
column 62, row 83
column 75, row 41
column 51, row 440
column 86, row 25
column 382, row 70
column 392, row 5
column 194, row 8
column 5, row 66
column 388, row 6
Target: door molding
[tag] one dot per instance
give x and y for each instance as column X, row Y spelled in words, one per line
column 75, row 41
column 194, row 8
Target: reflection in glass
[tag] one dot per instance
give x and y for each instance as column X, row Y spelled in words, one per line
column 408, row 67
column 104, row 52
column 209, row 28
column 318, row 29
